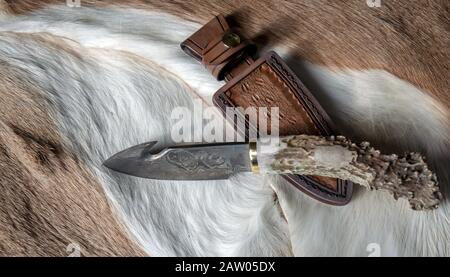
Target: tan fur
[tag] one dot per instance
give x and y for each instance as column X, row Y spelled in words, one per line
column 409, row 39
column 49, row 199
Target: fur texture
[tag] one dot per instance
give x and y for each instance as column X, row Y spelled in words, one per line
column 108, row 84
column 51, row 202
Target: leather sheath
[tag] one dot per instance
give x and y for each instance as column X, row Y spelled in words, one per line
column 265, row 82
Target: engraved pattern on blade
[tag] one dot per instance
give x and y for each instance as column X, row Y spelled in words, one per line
column 182, row 162
column 196, row 161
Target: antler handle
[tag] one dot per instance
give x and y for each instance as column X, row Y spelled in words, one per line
column 405, row 176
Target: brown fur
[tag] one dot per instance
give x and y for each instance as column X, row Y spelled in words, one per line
column 409, row 39
column 49, row 199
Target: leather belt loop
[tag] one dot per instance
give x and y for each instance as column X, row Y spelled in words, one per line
column 218, row 48
column 218, row 58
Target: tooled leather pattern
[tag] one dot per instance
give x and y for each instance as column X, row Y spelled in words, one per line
column 263, row 88
column 293, row 80
column 265, row 82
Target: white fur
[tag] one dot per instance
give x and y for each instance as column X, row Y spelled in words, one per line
column 117, row 96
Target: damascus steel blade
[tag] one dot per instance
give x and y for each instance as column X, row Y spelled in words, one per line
column 182, row 162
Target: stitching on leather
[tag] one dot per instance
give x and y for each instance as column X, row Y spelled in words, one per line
column 310, row 183
column 342, row 187
column 292, row 95
column 314, row 110
column 313, row 186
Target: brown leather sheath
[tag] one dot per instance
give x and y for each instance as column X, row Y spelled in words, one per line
column 266, row 82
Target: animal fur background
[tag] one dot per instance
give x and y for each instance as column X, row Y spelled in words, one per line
column 81, row 83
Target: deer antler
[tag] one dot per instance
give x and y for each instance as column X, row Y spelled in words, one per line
column 406, row 176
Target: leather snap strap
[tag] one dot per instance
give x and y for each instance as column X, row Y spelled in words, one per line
column 220, row 58
column 218, row 47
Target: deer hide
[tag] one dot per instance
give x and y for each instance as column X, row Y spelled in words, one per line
column 82, row 83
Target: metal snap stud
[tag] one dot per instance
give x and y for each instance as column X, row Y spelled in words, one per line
column 231, row 39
